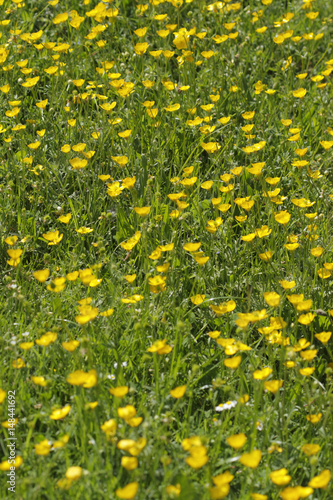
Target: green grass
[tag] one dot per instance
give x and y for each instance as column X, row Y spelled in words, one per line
column 250, row 72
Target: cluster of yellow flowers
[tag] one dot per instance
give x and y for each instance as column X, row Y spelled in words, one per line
column 141, row 150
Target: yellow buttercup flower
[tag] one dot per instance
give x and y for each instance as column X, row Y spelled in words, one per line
column 43, row 448
column 178, row 392
column 251, row 459
column 210, row 147
column 18, row 363
column 233, row 363
column 280, row 477
column 71, row 345
column 237, row 441
column 322, row 480
column 272, row 298
column 60, row 18
column 306, row 319
column 160, row 347
column 192, row 247
column 326, row 144
column 47, row 339
column 273, row 385
column 314, row 418
column 39, row 381
column 198, row 299
column 248, row 115
column 142, row 211
column 30, row 82
column 266, row 256
column 282, row 217
column 61, row 413
column 129, row 463
column 128, row 492
column 7, row 465
column 120, row 160
column 300, row 93
column 224, row 307
column 87, row 314
column 262, row 374
column 141, row 48
column 78, row 163
column 15, row 256
column 84, row 230
column 73, row 473
column 119, row 391
column 255, row 147
column 65, row 218
column 310, row 449
column 41, row 275
column 86, row 380
column 306, row 372
column 26, row 345
column 53, row 237
column 323, row 337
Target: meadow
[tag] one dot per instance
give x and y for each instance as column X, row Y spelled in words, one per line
column 166, row 249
